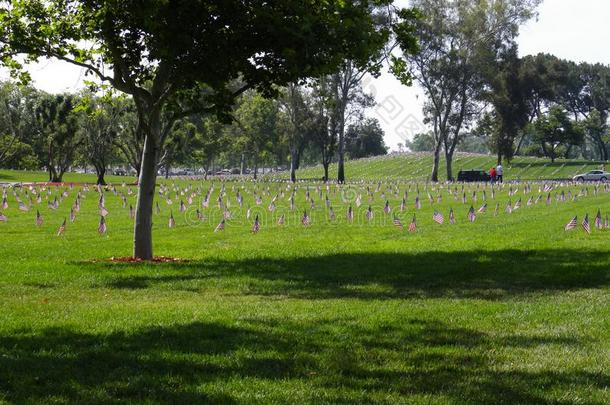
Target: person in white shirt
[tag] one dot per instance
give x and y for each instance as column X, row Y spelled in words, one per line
column 499, row 173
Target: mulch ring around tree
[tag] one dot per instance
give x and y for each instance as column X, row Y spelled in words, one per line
column 156, row 259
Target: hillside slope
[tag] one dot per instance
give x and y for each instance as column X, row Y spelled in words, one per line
column 417, row 166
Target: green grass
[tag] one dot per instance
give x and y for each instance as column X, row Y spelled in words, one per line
column 417, row 167
column 13, row 176
column 509, row 309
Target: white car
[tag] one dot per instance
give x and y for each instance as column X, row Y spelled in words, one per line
column 593, row 175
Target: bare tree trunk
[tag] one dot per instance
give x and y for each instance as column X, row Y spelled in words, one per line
column 242, row 165
column 449, row 161
column 293, row 164
column 100, row 171
column 142, row 244
column 325, row 171
column 437, row 158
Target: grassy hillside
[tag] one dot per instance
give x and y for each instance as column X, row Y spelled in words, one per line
column 417, row 166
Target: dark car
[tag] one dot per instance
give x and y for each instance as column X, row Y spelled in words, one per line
column 473, row 175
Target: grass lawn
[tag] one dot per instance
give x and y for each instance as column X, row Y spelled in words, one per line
column 508, row 309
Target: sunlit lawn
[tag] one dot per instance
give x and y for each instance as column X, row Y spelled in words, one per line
column 509, row 309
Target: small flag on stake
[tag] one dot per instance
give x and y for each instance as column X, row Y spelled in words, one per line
column 101, row 229
column 62, row 228
column 572, row 224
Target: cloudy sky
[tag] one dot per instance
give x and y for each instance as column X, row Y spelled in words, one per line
column 570, row 29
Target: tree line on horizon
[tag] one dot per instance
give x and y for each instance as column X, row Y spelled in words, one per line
column 56, row 132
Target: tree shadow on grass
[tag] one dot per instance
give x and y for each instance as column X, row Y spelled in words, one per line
column 272, row 359
column 471, row 274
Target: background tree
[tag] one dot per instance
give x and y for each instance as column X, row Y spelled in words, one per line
column 296, row 121
column 99, row 125
column 422, row 142
column 59, row 133
column 365, row 139
column 555, row 132
column 17, row 125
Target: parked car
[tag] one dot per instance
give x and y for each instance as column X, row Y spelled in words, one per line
column 593, row 175
column 473, row 175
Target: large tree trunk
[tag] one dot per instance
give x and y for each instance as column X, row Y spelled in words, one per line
column 499, row 158
column 142, row 243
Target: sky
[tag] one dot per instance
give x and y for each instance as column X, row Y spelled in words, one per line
column 570, row 29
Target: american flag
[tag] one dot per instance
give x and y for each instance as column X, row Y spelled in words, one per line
column 585, row 224
column 548, row 199
column 281, row 220
column 3, row 217
column 403, row 205
column 271, row 206
column 101, row 229
column 358, row 200
column 451, row 217
column 572, row 224
column 483, row 208
column 509, row 207
column 387, row 208
column 172, row 221
column 4, row 203
column 72, row 215
column 182, row 206
column 23, row 207
column 417, row 202
column 369, row 213
column 397, row 222
column 471, row 215
column 305, row 219
column 331, row 213
column 598, row 220
column 221, row 226
column 438, row 218
column 103, row 211
column 256, row 226
column 62, row 228
column 131, row 212
column 413, row 225
column 350, row 214
column 38, row 218
column 200, row 216
column 517, row 205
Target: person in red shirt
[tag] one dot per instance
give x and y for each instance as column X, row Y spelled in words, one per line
column 492, row 174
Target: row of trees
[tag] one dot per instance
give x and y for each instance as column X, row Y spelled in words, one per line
column 56, row 132
column 480, row 94
column 558, row 109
